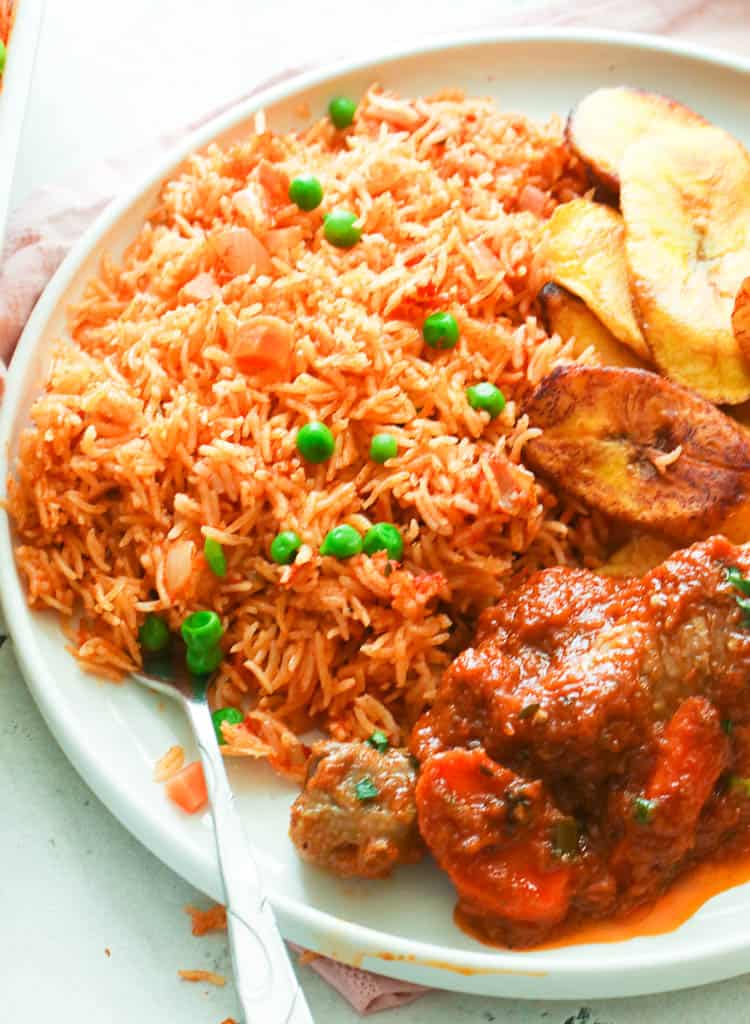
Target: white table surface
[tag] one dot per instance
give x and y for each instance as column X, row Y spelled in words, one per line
column 73, row 883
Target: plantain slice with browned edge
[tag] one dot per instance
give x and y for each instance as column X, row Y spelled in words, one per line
column 686, row 202
column 741, row 330
column 583, row 250
column 643, row 450
column 739, row 413
column 563, row 313
column 741, row 318
column 605, row 122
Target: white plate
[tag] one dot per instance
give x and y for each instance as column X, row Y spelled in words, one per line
column 114, row 734
column 22, row 45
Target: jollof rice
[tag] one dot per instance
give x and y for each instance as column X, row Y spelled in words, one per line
column 148, row 438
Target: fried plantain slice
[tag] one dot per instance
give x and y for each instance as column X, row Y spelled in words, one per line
column 565, row 314
column 602, row 126
column 641, row 554
column 583, row 249
column 740, row 413
column 641, row 449
column 741, row 318
column 686, row 202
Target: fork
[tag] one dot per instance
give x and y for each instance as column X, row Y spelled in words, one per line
column 267, row 986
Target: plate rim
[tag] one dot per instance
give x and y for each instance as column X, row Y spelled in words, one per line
column 345, row 939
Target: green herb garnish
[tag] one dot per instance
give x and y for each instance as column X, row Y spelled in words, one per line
column 738, row 784
column 743, row 603
column 741, row 583
column 366, row 789
column 379, row 740
column 565, row 837
column 644, row 810
column 738, row 581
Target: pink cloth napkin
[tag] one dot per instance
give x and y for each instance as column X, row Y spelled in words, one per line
column 41, row 232
column 364, row 991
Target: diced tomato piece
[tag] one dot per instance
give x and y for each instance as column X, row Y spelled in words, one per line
column 238, row 250
column 264, row 343
column 273, row 180
column 188, row 788
column 693, row 755
column 203, row 286
column 280, row 241
column 178, row 567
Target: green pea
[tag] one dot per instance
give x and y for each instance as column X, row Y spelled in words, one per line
column 284, row 547
column 486, row 396
column 383, row 447
column 202, row 631
column 341, row 542
column 341, row 110
column 440, row 330
column 315, row 442
column 384, row 537
column 340, row 229
column 153, row 635
column 203, row 663
column 215, row 558
column 306, row 192
column 232, row 715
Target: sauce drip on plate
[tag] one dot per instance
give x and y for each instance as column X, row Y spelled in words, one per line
column 671, row 910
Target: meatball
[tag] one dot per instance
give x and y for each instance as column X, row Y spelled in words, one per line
column 356, row 815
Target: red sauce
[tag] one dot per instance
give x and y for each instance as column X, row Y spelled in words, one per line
column 444, row 965
column 671, row 910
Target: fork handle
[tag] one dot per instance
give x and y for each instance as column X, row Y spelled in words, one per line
column 267, row 986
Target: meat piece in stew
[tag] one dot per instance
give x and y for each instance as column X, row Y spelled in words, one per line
column 627, row 704
column 356, row 814
column 591, row 745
